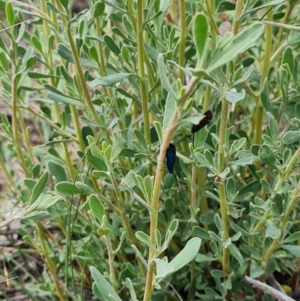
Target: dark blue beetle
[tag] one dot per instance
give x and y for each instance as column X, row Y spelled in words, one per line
column 202, row 123
column 171, row 158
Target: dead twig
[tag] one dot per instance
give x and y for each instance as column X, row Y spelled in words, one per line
column 269, row 289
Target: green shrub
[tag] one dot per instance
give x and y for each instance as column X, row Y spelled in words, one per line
column 106, row 91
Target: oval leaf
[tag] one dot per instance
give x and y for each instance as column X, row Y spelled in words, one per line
column 291, row 137
column 188, row 253
column 104, row 287
column 109, row 80
column 39, row 187
column 239, row 44
column 200, row 33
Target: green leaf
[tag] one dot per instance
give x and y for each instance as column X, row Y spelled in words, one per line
column 163, row 268
column 64, row 99
column 202, row 160
column 202, row 233
column 188, row 253
column 148, row 184
column 39, row 188
column 294, row 250
column 233, row 96
column 266, row 155
column 238, row 44
column 65, row 53
column 105, row 290
column 244, row 77
column 143, row 237
column 237, row 145
column 200, row 137
column 64, row 3
column 35, row 170
column 159, row 131
column 9, row 12
column 67, row 188
column 35, row 216
column 163, row 75
column 130, row 287
column 109, row 80
column 58, row 171
column 230, row 189
column 200, row 34
column 272, row 231
column 3, row 59
column 44, row 202
column 255, row 270
column 97, row 162
column 264, row 96
column 172, row 229
column 118, row 145
column 30, row 62
column 252, row 187
column 293, row 237
column 288, row 58
column 218, row 222
column 55, row 9
column 291, row 137
column 111, row 45
column 96, row 207
column 84, row 188
column 246, row 159
column 185, row 70
column 170, row 108
column 99, row 8
column 38, row 75
column 271, row 3
column 218, row 274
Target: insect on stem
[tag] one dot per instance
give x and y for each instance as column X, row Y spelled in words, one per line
column 170, row 159
column 205, row 120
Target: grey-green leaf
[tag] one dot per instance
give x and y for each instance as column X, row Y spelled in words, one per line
column 188, row 253
column 291, row 137
column 239, row 44
column 64, row 99
column 57, row 171
column 200, row 33
column 104, row 287
column 65, row 53
column 39, row 187
column 163, row 75
column 109, row 80
column 170, row 108
column 96, row 206
column 234, row 96
column 265, row 99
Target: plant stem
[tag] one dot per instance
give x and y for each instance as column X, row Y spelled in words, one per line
column 237, row 14
column 193, row 186
column 156, row 188
column 282, row 178
column 15, row 129
column 264, row 74
column 141, row 53
column 111, row 262
column 222, row 135
column 211, row 16
column 182, row 39
column 49, row 262
column 295, row 199
column 201, row 174
column 221, row 186
column 155, row 202
column 101, row 54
